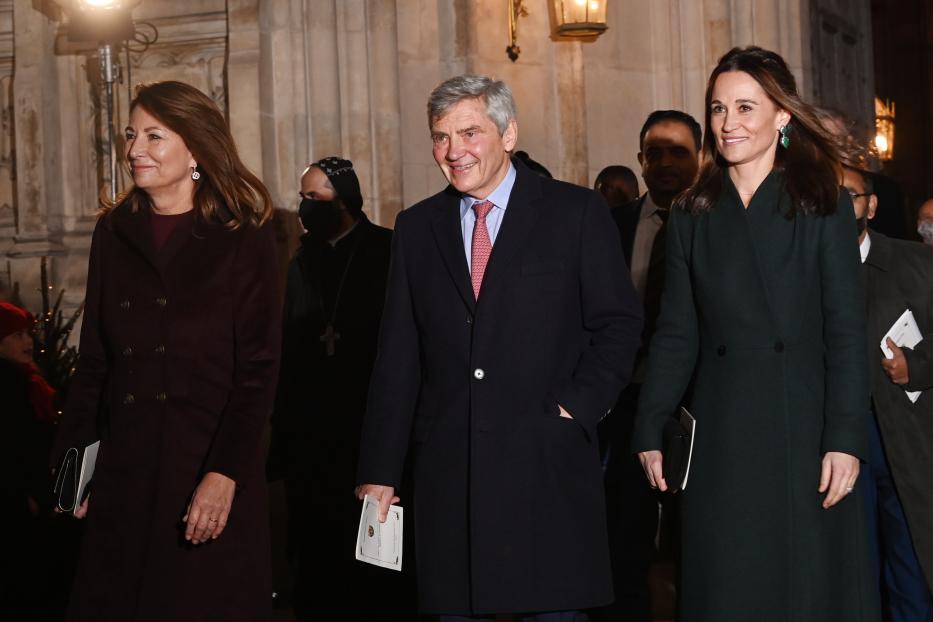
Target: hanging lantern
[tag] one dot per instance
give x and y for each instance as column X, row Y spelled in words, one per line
column 884, row 129
column 99, row 20
column 580, row 18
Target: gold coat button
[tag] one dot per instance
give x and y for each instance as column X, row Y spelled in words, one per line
column 129, row 399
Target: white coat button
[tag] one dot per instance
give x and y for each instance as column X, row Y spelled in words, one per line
column 479, row 374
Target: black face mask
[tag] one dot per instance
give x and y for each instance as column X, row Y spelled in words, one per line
column 320, row 218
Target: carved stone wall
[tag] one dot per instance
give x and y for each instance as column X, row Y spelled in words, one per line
column 659, row 54
column 303, row 79
column 7, row 167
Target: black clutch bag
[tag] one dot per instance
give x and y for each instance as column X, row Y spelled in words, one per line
column 73, row 476
column 678, row 449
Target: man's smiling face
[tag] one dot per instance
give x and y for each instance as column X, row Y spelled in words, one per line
column 472, row 154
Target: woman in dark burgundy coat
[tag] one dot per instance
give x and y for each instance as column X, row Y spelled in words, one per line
column 179, row 355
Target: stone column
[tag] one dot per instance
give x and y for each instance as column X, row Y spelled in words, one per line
column 382, row 34
column 7, row 215
column 570, row 134
column 243, row 74
column 281, row 96
column 36, row 123
column 37, row 133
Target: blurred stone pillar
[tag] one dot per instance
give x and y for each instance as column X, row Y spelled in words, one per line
column 36, row 123
column 243, row 75
column 39, row 187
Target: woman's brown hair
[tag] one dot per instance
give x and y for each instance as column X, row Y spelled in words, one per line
column 810, row 162
column 227, row 191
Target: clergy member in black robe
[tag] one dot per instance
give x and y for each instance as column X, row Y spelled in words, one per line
column 333, row 305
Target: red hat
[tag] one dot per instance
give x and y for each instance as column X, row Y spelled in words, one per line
column 13, row 319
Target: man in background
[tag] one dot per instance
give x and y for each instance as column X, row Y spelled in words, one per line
column 618, row 185
column 669, row 145
column 333, row 304
column 895, row 478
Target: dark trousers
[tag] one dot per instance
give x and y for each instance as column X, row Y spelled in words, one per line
column 553, row 616
column 903, row 588
column 631, row 514
column 322, row 525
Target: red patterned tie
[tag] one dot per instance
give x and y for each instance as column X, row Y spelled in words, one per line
column 482, row 245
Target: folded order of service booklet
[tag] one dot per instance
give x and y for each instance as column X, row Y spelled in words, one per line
column 378, row 543
column 904, row 333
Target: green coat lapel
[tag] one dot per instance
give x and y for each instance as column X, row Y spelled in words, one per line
column 733, row 251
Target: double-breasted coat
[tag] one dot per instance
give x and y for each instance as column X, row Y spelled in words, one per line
column 178, row 361
column 508, row 497
column 766, row 314
column 899, row 276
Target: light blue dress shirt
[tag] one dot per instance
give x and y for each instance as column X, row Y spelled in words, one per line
column 500, row 200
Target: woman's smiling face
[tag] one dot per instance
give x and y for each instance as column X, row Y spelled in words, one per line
column 158, row 157
column 744, row 120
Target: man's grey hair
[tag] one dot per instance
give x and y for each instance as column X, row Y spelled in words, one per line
column 500, row 106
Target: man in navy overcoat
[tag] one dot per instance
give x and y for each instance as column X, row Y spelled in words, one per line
column 509, row 329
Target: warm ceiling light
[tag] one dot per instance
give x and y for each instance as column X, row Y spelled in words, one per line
column 106, row 5
column 97, row 6
column 580, row 18
column 99, row 20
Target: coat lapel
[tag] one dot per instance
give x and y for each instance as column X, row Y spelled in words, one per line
column 763, row 206
column 517, row 222
column 135, row 230
column 189, row 248
column 449, row 237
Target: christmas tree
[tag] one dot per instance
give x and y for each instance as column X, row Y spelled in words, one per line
column 53, row 354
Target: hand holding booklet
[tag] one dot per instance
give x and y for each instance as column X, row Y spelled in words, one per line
column 73, row 476
column 904, row 333
column 678, row 449
column 378, row 543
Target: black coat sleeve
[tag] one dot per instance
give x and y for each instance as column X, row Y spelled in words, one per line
column 78, row 425
column 845, row 423
column 396, row 377
column 257, row 337
column 612, row 317
column 294, row 314
column 675, row 344
column 920, row 357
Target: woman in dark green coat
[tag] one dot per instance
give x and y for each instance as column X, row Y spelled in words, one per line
column 762, row 311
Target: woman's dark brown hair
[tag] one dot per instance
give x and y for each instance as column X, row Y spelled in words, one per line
column 226, row 185
column 810, row 163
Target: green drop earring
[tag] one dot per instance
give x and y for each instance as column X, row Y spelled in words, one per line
column 785, row 139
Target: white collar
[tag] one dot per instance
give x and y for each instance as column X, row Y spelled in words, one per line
column 865, row 246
